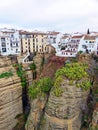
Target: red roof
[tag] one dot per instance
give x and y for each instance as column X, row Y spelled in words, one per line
column 88, row 37
column 80, row 36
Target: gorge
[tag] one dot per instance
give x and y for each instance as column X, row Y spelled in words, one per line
column 64, row 106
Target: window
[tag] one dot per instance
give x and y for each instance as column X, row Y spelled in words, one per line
column 54, row 40
column 84, row 46
column 16, row 50
column 2, row 39
column 3, row 44
column 12, row 35
column 16, row 44
column 3, row 49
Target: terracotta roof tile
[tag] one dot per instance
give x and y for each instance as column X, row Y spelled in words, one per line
column 87, row 37
column 80, row 36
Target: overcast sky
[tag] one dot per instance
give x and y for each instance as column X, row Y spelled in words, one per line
column 58, row 15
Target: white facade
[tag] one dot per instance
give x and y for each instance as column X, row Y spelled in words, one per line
column 10, row 42
column 69, row 50
column 53, row 38
column 88, row 44
column 65, row 39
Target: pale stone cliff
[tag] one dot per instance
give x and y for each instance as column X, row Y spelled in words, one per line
column 59, row 113
column 65, row 112
column 10, row 96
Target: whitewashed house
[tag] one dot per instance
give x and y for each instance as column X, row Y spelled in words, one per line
column 10, row 43
column 53, row 38
column 88, row 44
column 76, row 38
column 69, row 50
column 69, row 45
column 96, row 48
column 65, row 39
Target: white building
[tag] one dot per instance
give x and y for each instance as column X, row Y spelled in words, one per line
column 69, row 45
column 53, row 38
column 88, row 44
column 69, row 50
column 65, row 39
column 76, row 38
column 9, row 42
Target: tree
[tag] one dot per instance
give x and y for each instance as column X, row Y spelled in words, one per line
column 88, row 32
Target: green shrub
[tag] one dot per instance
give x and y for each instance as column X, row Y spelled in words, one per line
column 6, row 74
column 33, row 92
column 71, row 82
column 45, row 84
column 22, row 74
column 85, row 85
column 74, row 71
column 57, row 90
column 40, row 87
column 32, row 66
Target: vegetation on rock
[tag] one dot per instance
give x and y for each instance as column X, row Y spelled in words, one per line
column 40, row 87
column 57, row 90
column 6, row 74
column 33, row 66
column 21, row 73
column 74, row 71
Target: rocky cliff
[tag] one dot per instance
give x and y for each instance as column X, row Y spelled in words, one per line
column 65, row 112
column 65, row 106
column 10, row 95
column 37, row 107
column 59, row 113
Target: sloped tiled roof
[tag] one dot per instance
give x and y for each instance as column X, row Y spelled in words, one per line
column 77, row 36
column 52, row 33
column 88, row 37
column 64, row 37
column 31, row 33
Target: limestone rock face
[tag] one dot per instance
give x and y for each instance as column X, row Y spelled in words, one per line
column 10, row 96
column 37, row 106
column 38, row 60
column 61, row 113
column 65, row 112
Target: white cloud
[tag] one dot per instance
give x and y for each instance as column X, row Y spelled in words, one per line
column 50, row 14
